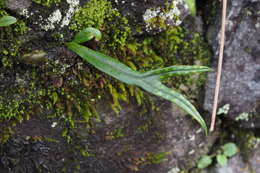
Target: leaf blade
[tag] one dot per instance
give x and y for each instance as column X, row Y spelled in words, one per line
column 222, row 159
column 230, row 149
column 157, row 88
column 204, row 162
column 105, row 63
column 175, row 70
column 7, row 20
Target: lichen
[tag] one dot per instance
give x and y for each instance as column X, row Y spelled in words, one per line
column 156, row 18
column 47, row 3
column 244, row 116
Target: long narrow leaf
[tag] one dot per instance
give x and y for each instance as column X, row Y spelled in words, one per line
column 149, row 81
column 157, row 88
column 175, row 70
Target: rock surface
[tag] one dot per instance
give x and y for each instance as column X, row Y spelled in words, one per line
column 240, row 83
column 156, row 142
column 138, row 139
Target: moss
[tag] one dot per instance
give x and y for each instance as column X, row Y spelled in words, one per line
column 2, row 4
column 70, row 95
column 10, row 43
column 47, row 3
column 100, row 14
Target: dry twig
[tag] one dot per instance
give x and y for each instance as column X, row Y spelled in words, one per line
column 221, row 50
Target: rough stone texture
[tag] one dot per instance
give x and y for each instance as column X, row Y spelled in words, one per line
column 18, row 5
column 240, row 84
column 168, row 131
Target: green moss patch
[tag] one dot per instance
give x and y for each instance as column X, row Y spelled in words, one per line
column 10, row 43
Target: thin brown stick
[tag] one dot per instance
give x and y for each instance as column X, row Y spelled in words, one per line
column 220, row 61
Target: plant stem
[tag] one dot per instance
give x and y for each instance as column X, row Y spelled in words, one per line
column 221, row 50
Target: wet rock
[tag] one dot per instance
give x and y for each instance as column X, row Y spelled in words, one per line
column 21, row 154
column 169, row 133
column 240, row 84
column 18, row 5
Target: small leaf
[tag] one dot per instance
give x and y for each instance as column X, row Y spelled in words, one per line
column 192, row 6
column 87, row 34
column 55, row 97
column 7, row 20
column 230, row 149
column 204, row 162
column 222, row 159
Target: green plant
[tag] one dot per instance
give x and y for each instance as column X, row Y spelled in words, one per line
column 7, row 20
column 222, row 155
column 192, row 6
column 149, row 81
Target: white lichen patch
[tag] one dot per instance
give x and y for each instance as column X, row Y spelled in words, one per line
column 224, row 110
column 54, row 124
column 174, row 170
column 243, row 116
column 73, row 7
column 53, row 19
column 56, row 17
column 172, row 15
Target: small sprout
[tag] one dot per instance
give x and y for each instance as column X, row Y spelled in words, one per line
column 204, row 162
column 222, row 159
column 7, row 20
column 221, row 155
column 229, row 149
column 87, row 34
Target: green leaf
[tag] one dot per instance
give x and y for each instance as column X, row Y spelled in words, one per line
column 149, row 81
column 7, row 20
column 192, row 6
column 87, row 34
column 204, row 162
column 222, row 159
column 175, row 70
column 229, row 149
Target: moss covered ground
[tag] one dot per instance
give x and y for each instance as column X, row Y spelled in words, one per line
column 67, row 88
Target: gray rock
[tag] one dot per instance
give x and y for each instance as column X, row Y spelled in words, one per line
column 240, row 83
column 18, row 5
